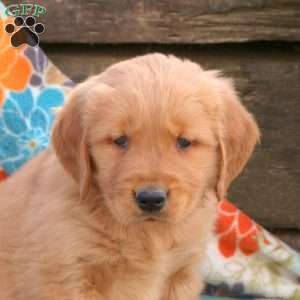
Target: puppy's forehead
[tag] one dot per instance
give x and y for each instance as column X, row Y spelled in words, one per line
column 142, row 73
column 154, row 91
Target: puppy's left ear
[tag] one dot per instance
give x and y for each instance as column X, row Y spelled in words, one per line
column 238, row 136
column 69, row 139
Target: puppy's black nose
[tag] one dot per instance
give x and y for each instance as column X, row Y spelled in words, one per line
column 151, row 199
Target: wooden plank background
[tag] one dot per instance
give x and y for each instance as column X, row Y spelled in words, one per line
column 167, row 21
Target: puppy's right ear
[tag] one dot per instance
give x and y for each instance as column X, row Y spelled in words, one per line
column 238, row 136
column 69, row 139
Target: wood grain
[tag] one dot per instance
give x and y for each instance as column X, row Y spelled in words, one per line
column 168, row 21
column 267, row 77
column 290, row 237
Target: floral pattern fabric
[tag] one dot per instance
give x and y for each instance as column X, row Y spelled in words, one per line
column 15, row 75
column 236, row 231
column 31, row 87
column 25, row 124
column 243, row 260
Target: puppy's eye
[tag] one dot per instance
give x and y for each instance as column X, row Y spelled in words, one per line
column 122, row 141
column 183, row 143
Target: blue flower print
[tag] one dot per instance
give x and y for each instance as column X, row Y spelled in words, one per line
column 25, row 122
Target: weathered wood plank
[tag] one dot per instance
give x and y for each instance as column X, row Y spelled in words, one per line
column 268, row 78
column 290, row 237
column 168, row 21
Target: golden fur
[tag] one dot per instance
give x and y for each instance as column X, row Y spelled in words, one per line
column 69, row 227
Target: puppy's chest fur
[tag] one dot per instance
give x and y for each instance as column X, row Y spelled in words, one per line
column 139, row 268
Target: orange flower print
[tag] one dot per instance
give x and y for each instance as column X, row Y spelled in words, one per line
column 3, row 175
column 15, row 69
column 236, row 231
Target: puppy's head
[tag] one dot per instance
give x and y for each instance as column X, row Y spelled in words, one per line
column 154, row 134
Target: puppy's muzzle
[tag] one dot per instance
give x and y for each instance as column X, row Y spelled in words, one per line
column 151, row 199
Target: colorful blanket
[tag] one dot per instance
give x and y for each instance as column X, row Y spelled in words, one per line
column 243, row 260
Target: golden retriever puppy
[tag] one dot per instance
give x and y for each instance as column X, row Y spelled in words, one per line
column 122, row 205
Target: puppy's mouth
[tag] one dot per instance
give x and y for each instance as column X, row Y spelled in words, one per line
column 151, row 218
column 155, row 217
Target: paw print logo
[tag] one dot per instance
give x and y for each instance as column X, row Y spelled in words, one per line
column 25, row 31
